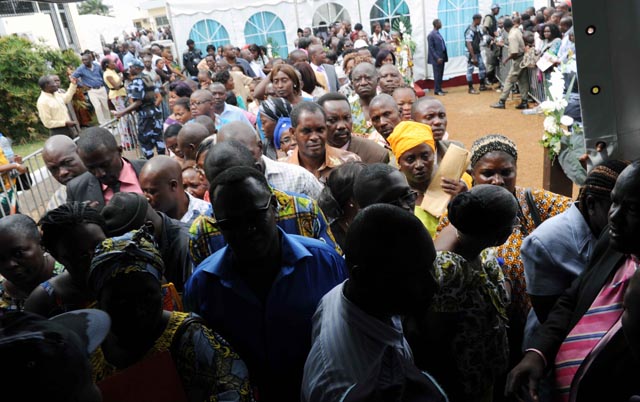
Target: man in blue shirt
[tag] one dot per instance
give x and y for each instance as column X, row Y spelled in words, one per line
column 89, row 75
column 261, row 290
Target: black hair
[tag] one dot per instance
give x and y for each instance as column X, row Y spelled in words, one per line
column 181, row 89
column 357, row 26
column 507, row 23
column 339, row 189
column 382, row 54
column 555, row 31
column 57, row 223
column 309, row 107
column 93, row 138
column 369, row 174
column 222, row 77
column 104, row 63
column 204, row 146
column 331, row 96
column 600, row 181
column 237, row 174
column 190, row 42
column 304, row 42
column 20, row 224
column 224, row 156
column 332, row 57
column 210, row 47
column 368, row 244
column 172, row 130
column 231, row 99
column 483, row 210
column 309, row 80
column 184, row 102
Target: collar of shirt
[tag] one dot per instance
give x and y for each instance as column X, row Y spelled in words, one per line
column 332, row 158
column 291, row 250
column 319, row 69
column 196, row 207
column 127, row 177
column 389, row 333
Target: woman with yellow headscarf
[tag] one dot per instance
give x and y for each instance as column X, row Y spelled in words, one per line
column 414, row 148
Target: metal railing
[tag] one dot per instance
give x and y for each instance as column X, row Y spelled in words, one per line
column 36, row 192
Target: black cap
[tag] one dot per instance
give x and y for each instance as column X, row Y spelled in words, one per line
column 125, row 212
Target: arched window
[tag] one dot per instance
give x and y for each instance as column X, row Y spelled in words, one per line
column 509, row 6
column 389, row 11
column 209, row 32
column 265, row 27
column 456, row 16
column 329, row 13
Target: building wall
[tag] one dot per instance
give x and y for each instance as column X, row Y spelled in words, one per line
column 34, row 27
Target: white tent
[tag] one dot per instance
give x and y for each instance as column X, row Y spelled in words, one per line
column 252, row 21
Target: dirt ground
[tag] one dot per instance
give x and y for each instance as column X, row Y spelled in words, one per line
column 470, row 117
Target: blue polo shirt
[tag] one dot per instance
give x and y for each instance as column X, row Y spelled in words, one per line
column 89, row 77
column 273, row 339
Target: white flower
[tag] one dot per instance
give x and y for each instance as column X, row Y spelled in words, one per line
column 556, row 92
column 556, row 147
column 545, row 136
column 550, row 125
column 566, row 120
column 548, row 106
column 560, row 104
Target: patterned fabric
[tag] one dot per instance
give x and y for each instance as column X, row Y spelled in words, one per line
column 296, row 215
column 360, row 124
column 604, row 312
column 548, row 204
column 9, row 303
column 203, row 359
column 149, row 119
column 474, row 291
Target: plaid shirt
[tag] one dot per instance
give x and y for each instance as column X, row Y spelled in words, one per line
column 291, row 178
column 297, row 214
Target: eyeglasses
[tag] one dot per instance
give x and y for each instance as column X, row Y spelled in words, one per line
column 249, row 221
column 196, row 103
column 406, row 200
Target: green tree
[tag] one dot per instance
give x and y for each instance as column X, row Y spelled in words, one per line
column 22, row 63
column 93, row 7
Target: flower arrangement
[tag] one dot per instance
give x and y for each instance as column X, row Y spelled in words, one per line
column 556, row 124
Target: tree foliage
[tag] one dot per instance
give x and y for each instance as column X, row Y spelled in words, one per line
column 93, row 7
column 22, row 63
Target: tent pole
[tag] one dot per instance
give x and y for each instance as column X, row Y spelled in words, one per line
column 359, row 12
column 424, row 41
column 297, row 16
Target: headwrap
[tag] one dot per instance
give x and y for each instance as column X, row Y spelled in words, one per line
column 133, row 252
column 283, row 124
column 600, row 181
column 492, row 143
column 409, row 134
column 275, row 108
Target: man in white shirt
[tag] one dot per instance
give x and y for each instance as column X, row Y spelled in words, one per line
column 357, row 332
column 280, row 175
column 161, row 182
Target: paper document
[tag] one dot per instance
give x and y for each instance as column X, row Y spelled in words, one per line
column 452, row 166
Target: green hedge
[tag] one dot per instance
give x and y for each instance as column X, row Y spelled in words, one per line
column 22, row 63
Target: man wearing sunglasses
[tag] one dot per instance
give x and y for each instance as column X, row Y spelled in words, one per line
column 261, row 290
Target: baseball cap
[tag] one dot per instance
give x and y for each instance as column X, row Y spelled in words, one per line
column 495, row 5
column 359, row 44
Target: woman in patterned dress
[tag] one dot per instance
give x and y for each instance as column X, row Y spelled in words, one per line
column 462, row 341
column 494, row 161
column 125, row 274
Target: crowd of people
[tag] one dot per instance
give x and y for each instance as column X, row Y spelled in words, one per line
column 284, row 238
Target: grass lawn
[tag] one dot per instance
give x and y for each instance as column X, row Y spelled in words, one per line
column 27, row 149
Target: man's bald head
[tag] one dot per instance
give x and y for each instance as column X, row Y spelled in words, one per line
column 207, row 122
column 190, row 137
column 382, row 99
column 201, row 103
column 384, row 114
column 244, row 134
column 317, row 55
column 62, row 160
column 298, row 56
column 161, row 182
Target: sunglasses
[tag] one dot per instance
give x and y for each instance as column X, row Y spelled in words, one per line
column 249, row 221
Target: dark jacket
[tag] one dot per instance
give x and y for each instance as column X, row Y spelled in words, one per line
column 87, row 188
column 615, row 372
column 437, row 48
column 173, row 245
column 367, row 150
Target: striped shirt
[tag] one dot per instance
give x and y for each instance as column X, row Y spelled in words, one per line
column 604, row 313
column 291, row 178
column 347, row 345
